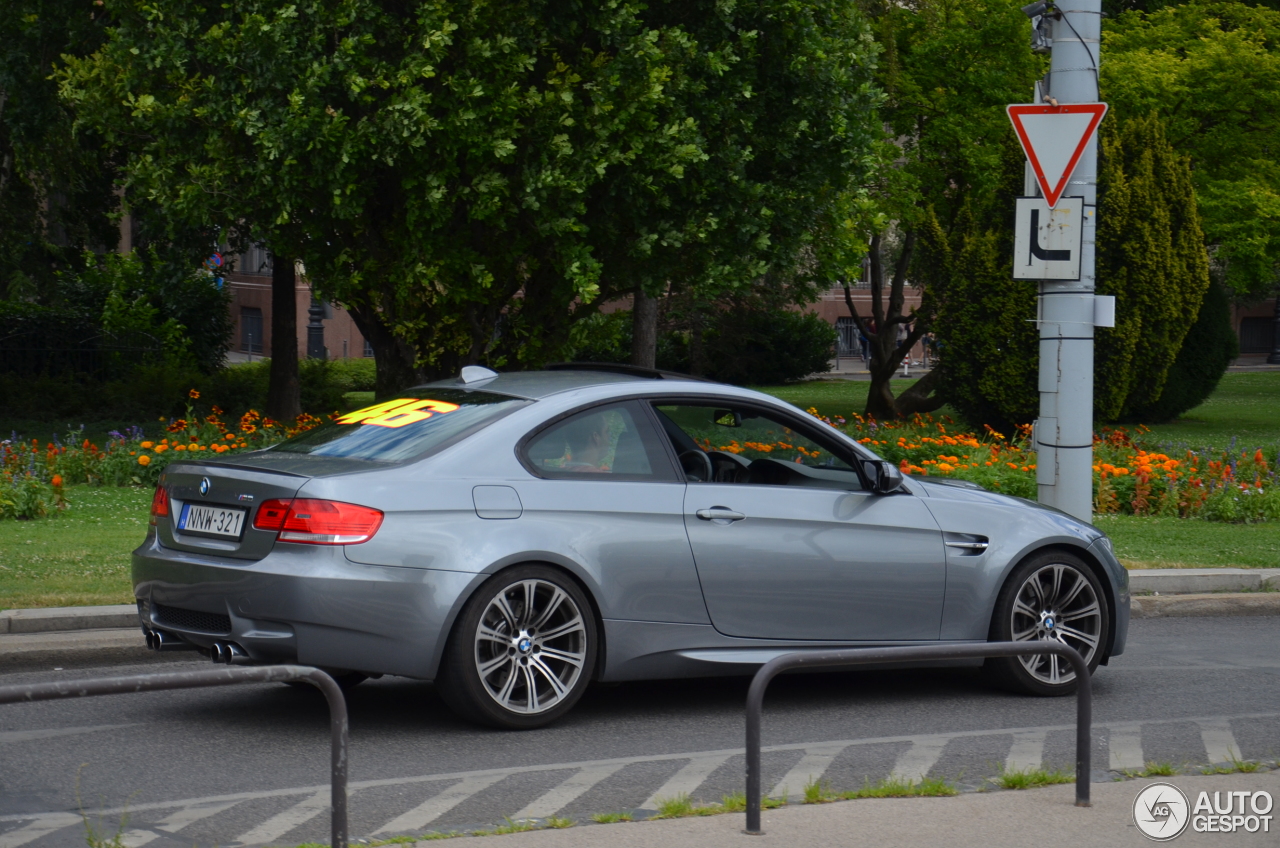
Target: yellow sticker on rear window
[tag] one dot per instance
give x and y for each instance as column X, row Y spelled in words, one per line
column 397, row 413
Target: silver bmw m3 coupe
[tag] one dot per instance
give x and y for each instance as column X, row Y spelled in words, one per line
column 513, row 537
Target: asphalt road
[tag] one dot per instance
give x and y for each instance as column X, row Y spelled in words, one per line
column 249, row 764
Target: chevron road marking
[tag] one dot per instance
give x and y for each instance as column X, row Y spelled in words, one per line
column 924, row 751
column 281, row 823
column 175, row 822
column 1219, row 743
column 439, row 804
column 1125, row 743
column 46, row 824
column 914, row 763
column 1027, row 753
column 687, row 780
column 812, row 766
column 566, row 793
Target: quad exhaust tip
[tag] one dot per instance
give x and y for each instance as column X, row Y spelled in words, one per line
column 229, row 653
column 161, row 640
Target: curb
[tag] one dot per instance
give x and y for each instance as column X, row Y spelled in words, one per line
column 1181, row 581
column 1204, row 605
column 61, row 619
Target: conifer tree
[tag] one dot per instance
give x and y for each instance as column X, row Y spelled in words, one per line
column 1151, row 257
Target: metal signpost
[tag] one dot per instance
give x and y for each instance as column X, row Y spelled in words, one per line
column 1054, row 244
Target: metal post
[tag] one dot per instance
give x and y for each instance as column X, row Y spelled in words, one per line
column 1274, row 358
column 220, row 677
column 862, row 656
column 315, row 331
column 1064, row 432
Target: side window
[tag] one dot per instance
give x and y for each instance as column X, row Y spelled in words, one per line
column 723, row 444
column 604, row 442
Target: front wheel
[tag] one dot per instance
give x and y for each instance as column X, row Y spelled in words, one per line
column 1051, row 596
column 522, row 651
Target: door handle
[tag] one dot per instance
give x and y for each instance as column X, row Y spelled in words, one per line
column 719, row 513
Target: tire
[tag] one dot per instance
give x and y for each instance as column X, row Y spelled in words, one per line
column 1052, row 595
column 499, row 669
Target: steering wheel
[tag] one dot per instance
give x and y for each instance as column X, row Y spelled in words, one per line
column 696, row 466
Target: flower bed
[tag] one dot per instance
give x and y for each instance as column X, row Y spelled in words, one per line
column 33, row 477
column 1130, row 477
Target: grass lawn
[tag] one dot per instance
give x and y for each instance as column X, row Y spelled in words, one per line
column 1180, row 543
column 78, row 558
column 1246, row 406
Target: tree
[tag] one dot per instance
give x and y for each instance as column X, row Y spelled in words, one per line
column 56, row 184
column 456, row 173
column 1210, row 69
column 1151, row 257
column 949, row 69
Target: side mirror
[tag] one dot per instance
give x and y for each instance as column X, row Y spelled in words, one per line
column 727, row 418
column 885, row 477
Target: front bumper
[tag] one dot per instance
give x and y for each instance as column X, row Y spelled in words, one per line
column 303, row 603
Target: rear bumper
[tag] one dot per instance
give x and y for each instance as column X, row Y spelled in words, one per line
column 303, row 603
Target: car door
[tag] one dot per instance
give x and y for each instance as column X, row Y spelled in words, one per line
column 787, row 543
column 605, row 490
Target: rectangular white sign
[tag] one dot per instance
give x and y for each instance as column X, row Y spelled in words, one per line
column 1046, row 242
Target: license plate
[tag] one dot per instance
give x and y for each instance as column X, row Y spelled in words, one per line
column 212, row 520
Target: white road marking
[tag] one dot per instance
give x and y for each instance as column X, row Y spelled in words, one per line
column 697, row 768
column 46, row 824
column 1125, row 742
column 1027, row 752
column 175, row 822
column 687, row 780
column 32, row 735
column 914, row 763
column 566, row 793
column 812, row 766
column 439, row 804
column 1219, row 742
column 281, row 823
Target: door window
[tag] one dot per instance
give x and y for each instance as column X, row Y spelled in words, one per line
column 604, row 442
column 727, row 444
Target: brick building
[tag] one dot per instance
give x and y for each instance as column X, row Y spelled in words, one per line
column 250, row 286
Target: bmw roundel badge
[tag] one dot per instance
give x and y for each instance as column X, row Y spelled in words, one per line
column 204, row 485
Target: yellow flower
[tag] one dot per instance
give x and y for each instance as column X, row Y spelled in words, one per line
column 144, row 460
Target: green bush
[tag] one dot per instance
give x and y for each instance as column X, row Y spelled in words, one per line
column 744, row 345
column 759, row 347
column 1206, row 352
column 242, row 386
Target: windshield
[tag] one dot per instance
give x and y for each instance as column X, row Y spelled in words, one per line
column 406, row 427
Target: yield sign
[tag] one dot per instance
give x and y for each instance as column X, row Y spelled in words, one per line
column 1054, row 137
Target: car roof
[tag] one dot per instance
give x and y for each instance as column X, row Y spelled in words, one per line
column 539, row 384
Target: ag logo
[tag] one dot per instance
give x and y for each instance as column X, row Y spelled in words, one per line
column 1161, row 811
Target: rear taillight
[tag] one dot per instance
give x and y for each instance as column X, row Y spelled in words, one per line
column 159, row 504
column 312, row 521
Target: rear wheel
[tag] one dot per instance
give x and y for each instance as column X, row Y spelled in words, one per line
column 1051, row 596
column 522, row 651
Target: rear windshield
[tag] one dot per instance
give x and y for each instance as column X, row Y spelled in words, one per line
column 404, row 428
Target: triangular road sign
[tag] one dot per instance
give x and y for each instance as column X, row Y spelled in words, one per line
column 1054, row 137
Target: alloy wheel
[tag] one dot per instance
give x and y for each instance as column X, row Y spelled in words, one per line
column 530, row 646
column 1057, row 602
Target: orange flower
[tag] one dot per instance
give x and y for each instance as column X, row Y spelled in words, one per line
column 161, row 448
column 179, row 447
column 56, row 482
column 193, row 394
column 144, row 460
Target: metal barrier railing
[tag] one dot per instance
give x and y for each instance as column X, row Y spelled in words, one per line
column 864, row 656
column 219, row 677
